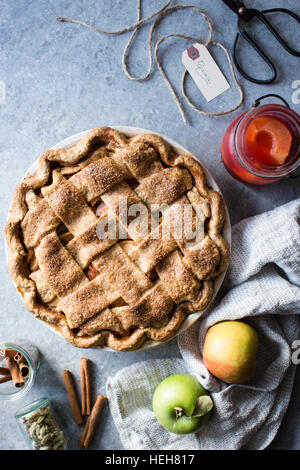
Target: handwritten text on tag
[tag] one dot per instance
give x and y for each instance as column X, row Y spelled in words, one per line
column 204, row 71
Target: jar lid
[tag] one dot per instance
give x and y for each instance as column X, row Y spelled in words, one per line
column 35, row 405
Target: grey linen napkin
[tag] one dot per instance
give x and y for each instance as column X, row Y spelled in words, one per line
column 263, row 287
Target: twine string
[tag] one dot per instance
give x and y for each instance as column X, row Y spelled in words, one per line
column 159, row 15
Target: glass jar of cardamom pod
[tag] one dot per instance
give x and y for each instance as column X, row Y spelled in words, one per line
column 40, row 426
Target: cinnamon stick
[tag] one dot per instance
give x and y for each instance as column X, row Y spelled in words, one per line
column 85, row 386
column 10, row 353
column 22, row 364
column 24, row 368
column 73, row 398
column 5, row 378
column 91, row 424
column 4, row 371
column 18, row 356
column 15, row 372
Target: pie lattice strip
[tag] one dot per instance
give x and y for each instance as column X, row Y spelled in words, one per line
column 84, row 303
column 98, row 177
column 68, row 204
column 164, row 187
column 59, row 269
column 125, row 277
column 140, row 160
column 38, row 222
column 88, row 245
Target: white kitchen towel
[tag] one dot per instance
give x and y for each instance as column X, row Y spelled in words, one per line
column 263, row 287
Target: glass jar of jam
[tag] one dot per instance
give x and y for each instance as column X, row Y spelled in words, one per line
column 262, row 145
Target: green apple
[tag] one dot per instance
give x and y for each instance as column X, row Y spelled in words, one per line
column 181, row 404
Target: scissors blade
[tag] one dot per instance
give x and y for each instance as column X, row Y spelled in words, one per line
column 234, row 5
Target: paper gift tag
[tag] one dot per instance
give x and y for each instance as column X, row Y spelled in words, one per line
column 204, row 71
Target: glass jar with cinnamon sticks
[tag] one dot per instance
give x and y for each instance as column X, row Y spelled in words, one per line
column 19, row 362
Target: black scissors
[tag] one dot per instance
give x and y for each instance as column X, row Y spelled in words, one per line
column 244, row 16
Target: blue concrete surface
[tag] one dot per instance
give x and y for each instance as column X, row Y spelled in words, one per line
column 60, row 79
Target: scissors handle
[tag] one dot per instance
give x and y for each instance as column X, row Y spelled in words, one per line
column 244, row 16
column 242, row 32
column 271, row 28
column 261, row 53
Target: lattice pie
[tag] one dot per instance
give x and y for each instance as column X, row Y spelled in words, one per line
column 116, row 291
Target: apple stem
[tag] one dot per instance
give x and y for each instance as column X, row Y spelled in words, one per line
column 178, row 411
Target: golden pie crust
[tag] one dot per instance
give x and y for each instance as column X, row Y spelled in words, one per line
column 113, row 292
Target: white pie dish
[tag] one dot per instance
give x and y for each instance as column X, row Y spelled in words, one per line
column 226, row 232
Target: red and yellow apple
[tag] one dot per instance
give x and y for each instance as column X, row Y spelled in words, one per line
column 229, row 351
